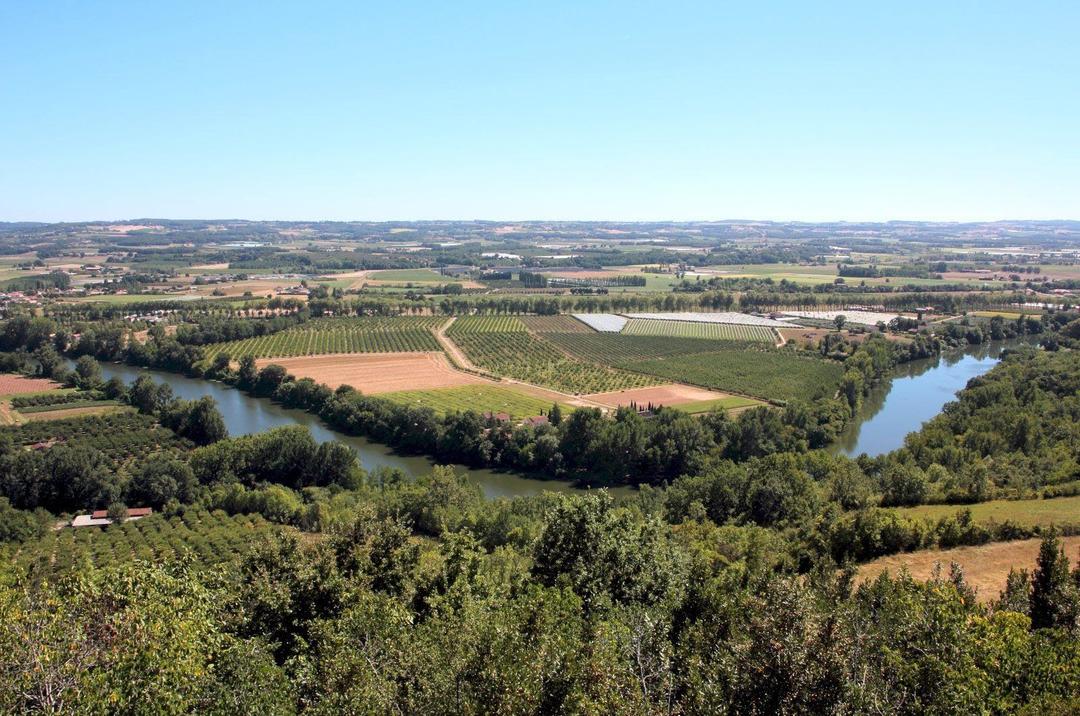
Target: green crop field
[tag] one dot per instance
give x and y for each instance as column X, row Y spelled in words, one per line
column 693, row 329
column 729, row 403
column 1059, row 510
column 555, row 324
column 120, row 436
column 210, row 537
column 422, row 275
column 480, row 398
column 770, row 374
column 501, row 345
column 320, row 336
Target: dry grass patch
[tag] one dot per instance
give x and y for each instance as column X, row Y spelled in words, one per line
column 670, row 394
column 985, row 567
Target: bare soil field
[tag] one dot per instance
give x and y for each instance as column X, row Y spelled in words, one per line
column 985, row 567
column 671, row 394
column 16, row 384
column 378, row 372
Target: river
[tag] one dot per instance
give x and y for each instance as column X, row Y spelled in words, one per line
column 917, row 392
column 245, row 415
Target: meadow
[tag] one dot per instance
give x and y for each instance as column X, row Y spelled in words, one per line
column 421, row 275
column 479, row 398
column 322, row 336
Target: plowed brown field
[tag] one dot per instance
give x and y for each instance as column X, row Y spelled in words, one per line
column 377, row 372
column 672, row 394
column 15, row 384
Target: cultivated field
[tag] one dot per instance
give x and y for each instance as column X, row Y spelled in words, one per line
column 769, row 374
column 501, row 345
column 985, row 566
column 670, row 395
column 863, row 318
column 378, row 372
column 618, row 348
column 606, row 322
column 738, row 319
column 694, row 329
column 11, row 384
column 555, row 324
column 480, row 398
column 209, row 537
column 322, row 336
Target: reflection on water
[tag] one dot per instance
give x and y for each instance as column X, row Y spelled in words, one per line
column 245, row 415
column 917, row 392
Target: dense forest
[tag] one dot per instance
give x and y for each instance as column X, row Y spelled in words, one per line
column 725, row 584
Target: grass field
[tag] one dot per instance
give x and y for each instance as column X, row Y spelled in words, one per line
column 323, row 336
column 693, row 329
column 769, row 374
column 209, row 537
column 502, row 346
column 729, row 403
column 1060, row 510
column 415, row 275
column 480, row 398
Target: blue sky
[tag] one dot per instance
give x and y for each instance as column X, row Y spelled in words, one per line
column 541, row 110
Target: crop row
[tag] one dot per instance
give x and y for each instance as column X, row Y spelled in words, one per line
column 693, row 329
column 120, row 435
column 376, row 334
column 520, row 355
column 210, row 538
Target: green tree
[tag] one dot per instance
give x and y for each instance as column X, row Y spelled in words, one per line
column 1054, row 599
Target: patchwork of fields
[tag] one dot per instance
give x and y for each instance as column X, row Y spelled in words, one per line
column 503, row 346
column 322, row 336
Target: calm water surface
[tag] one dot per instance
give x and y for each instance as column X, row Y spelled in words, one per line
column 917, row 392
column 245, row 415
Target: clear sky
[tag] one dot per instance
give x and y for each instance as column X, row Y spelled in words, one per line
column 539, row 110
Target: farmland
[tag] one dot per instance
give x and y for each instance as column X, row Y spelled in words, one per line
column 501, row 345
column 121, row 436
column 693, row 329
column 1060, row 511
column 555, row 324
column 480, row 398
column 769, row 374
column 985, row 567
column 619, row 349
column 211, row 537
column 322, row 336
column 378, row 372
